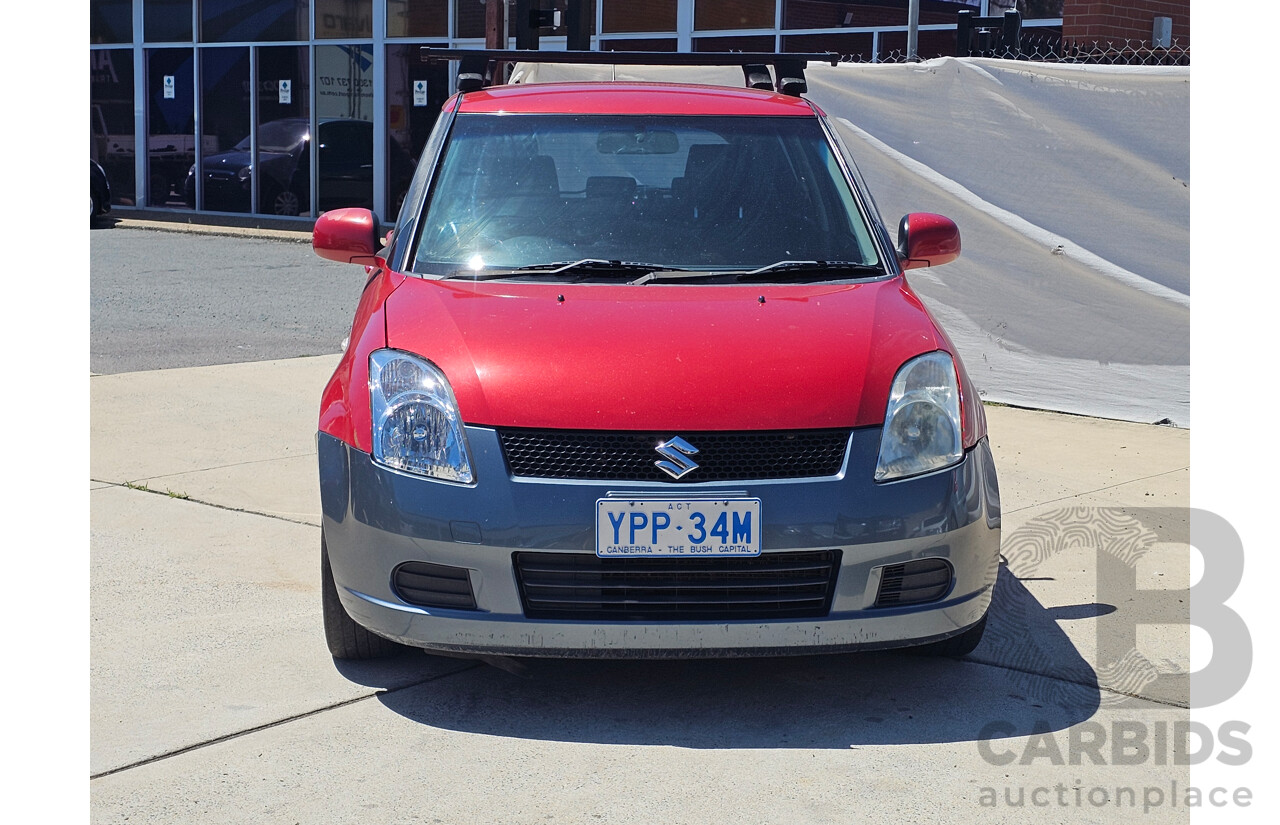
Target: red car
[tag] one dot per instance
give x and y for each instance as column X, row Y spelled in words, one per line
column 638, row 373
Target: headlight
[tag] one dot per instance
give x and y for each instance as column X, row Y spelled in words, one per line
column 416, row 424
column 922, row 421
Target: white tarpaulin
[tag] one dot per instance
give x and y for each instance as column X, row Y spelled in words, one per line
column 1071, row 188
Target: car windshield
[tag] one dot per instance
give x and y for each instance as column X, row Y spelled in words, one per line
column 278, row 136
column 701, row 193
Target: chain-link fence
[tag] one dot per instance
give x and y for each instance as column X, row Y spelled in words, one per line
column 1051, row 48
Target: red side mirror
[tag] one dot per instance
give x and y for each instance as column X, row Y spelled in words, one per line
column 349, row 236
column 925, row 239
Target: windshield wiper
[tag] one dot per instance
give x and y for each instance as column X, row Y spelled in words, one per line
column 806, row 268
column 586, row 266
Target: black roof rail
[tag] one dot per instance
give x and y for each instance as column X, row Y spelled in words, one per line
column 476, row 70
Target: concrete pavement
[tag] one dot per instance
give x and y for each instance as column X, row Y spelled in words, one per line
column 214, row 699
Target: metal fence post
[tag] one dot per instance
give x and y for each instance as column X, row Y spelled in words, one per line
column 1011, row 33
column 964, row 31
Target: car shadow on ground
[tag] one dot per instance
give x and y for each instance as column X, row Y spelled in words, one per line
column 830, row 701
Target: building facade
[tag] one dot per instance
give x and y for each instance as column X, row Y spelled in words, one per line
column 1128, row 21
column 237, row 88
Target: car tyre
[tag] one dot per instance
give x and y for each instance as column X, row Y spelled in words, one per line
column 346, row 639
column 957, row 646
column 279, row 201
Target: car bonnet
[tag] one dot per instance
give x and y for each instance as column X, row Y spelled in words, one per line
column 664, row 356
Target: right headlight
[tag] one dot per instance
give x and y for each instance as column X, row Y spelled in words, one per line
column 922, row 422
column 416, row 424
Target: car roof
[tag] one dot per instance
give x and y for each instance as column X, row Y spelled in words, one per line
column 630, row 98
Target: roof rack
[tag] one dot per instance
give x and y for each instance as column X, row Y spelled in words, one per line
column 477, row 65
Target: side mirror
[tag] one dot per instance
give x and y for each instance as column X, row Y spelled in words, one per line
column 925, row 239
column 349, row 236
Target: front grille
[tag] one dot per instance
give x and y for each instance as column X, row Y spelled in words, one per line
column 914, row 582
column 433, row 585
column 584, row 587
column 631, row 456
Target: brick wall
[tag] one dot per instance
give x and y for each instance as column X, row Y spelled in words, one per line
column 1088, row 21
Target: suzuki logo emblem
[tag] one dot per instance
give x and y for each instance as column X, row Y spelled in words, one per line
column 677, row 452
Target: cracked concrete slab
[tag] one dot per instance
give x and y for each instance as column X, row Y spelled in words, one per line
column 828, row 739
column 205, row 623
column 148, row 425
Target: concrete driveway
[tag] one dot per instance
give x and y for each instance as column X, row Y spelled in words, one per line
column 214, row 698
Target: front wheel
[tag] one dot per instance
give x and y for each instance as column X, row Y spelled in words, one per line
column 346, row 639
column 278, row 201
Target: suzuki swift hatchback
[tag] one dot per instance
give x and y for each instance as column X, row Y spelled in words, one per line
column 638, row 373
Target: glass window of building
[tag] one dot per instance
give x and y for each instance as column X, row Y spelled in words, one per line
column 166, row 21
column 284, row 124
column 225, row 104
column 344, row 111
column 629, row 16
column 343, row 19
column 171, row 126
column 648, row 44
column 1031, row 9
column 827, row 14
column 860, row 46
column 415, row 93
column 712, row 15
column 469, row 18
column 746, row 43
column 230, row 21
column 418, row 18
column 110, row 21
column 111, row 129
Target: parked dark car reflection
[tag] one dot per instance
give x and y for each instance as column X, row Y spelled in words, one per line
column 284, row 156
column 99, row 190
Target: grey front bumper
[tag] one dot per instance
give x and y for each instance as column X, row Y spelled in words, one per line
column 375, row 519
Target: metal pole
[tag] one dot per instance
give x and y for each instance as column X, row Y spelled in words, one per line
column 913, row 30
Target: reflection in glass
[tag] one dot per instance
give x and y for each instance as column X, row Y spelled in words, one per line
column 224, row 95
column 415, row 93
column 653, row 44
column 171, row 126
column 111, row 119
column 470, row 14
column 629, row 16
column 469, row 18
column 283, row 174
column 418, row 18
column 224, row 21
column 1031, row 9
column 344, row 108
column 343, row 18
column 111, row 21
column 858, row 46
column 823, row 14
column 166, row 21
column 710, row 15
column 750, row 43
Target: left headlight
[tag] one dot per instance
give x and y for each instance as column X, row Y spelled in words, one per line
column 416, row 424
column 922, row 422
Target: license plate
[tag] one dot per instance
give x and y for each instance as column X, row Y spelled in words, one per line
column 677, row 527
